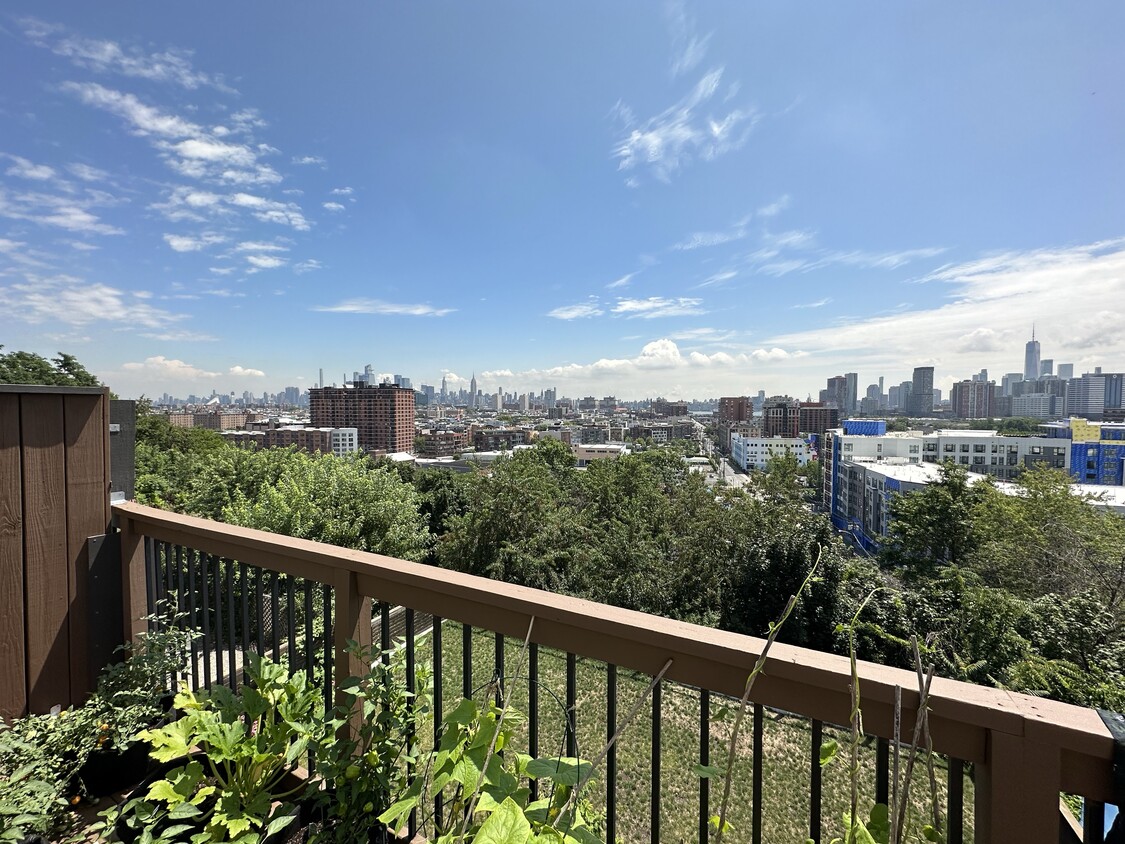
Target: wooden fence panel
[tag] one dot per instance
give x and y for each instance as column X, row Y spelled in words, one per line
column 87, row 494
column 47, row 581
column 13, row 672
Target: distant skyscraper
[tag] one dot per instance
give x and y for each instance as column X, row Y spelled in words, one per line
column 922, row 391
column 1066, row 371
column 1047, row 366
column 1031, row 358
column 852, row 381
column 473, row 391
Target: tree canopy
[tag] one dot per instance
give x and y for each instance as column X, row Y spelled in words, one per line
column 30, row 368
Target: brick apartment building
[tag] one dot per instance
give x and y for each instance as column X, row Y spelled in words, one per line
column 383, row 415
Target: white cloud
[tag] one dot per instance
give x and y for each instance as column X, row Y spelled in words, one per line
column 308, row 159
column 265, row 262
column 1006, row 293
column 66, row 212
column 144, row 119
column 307, row 266
column 333, row 206
column 87, row 173
column 171, row 369
column 680, row 134
column 621, row 282
column 24, row 169
column 775, row 207
column 261, row 246
column 253, row 373
column 688, row 49
column 270, row 211
column 703, row 335
column 375, row 306
column 179, row 336
column 658, row 306
column 186, row 243
column 578, row 311
column 718, row 278
column 172, row 65
column 342, row 191
column 47, row 299
column 819, row 303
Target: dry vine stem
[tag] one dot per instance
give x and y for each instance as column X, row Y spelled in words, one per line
column 759, row 666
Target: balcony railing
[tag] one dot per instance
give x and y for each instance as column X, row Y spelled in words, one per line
column 246, row 589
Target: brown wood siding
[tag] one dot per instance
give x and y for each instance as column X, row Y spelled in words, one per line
column 54, row 488
column 13, row 670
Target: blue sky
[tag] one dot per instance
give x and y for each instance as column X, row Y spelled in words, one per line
column 608, row 198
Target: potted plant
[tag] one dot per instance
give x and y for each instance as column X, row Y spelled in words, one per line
column 228, row 761
column 368, row 748
column 132, row 695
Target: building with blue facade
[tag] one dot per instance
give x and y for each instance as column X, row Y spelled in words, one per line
column 1097, row 449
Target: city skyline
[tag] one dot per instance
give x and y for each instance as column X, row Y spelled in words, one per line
column 686, row 201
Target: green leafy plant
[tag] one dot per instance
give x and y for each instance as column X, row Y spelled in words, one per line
column 369, row 745
column 249, row 743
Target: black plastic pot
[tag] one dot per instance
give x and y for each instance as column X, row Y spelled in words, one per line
column 107, row 772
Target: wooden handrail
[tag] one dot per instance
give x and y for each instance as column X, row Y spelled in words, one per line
column 1032, row 745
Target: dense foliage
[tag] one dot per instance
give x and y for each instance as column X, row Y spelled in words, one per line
column 1022, row 591
column 30, row 368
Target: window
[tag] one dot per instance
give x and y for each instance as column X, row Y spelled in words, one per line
column 964, row 448
column 964, row 460
column 1036, row 450
column 978, row 448
column 947, row 448
column 994, row 448
column 913, row 449
column 977, row 460
column 847, row 446
column 931, row 446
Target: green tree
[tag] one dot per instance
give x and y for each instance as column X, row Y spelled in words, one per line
column 30, row 368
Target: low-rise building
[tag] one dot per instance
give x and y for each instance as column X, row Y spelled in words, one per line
column 755, row 452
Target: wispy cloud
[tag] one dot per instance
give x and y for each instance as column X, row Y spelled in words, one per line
column 342, row 191
column 308, row 159
column 688, row 48
column 581, row 310
column 376, row 306
column 265, row 262
column 775, row 207
column 621, row 282
column 24, row 169
column 703, row 335
column 819, row 303
column 71, row 212
column 333, row 206
column 171, row 369
column 681, row 133
column 261, row 246
column 716, row 279
column 175, row 336
column 658, row 306
column 307, row 266
column 1004, row 292
column 187, row 243
column 69, row 300
column 87, row 173
column 172, row 65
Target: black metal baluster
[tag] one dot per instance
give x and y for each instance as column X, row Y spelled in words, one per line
column 611, row 757
column 410, row 683
column 181, row 596
column 883, row 772
column 275, row 612
column 310, row 648
column 244, row 599
column 466, row 661
column 756, row 788
column 205, row 577
column 385, row 631
column 220, row 646
column 571, row 705
column 259, row 610
column 329, row 646
column 955, row 816
column 498, row 667
column 169, row 580
column 533, row 709
column 151, row 575
column 291, row 619
column 814, row 777
column 193, row 617
column 232, row 648
column 438, row 711
column 654, row 808
column 704, row 760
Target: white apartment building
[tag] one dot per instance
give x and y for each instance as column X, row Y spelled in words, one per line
column 755, row 452
column 344, row 441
